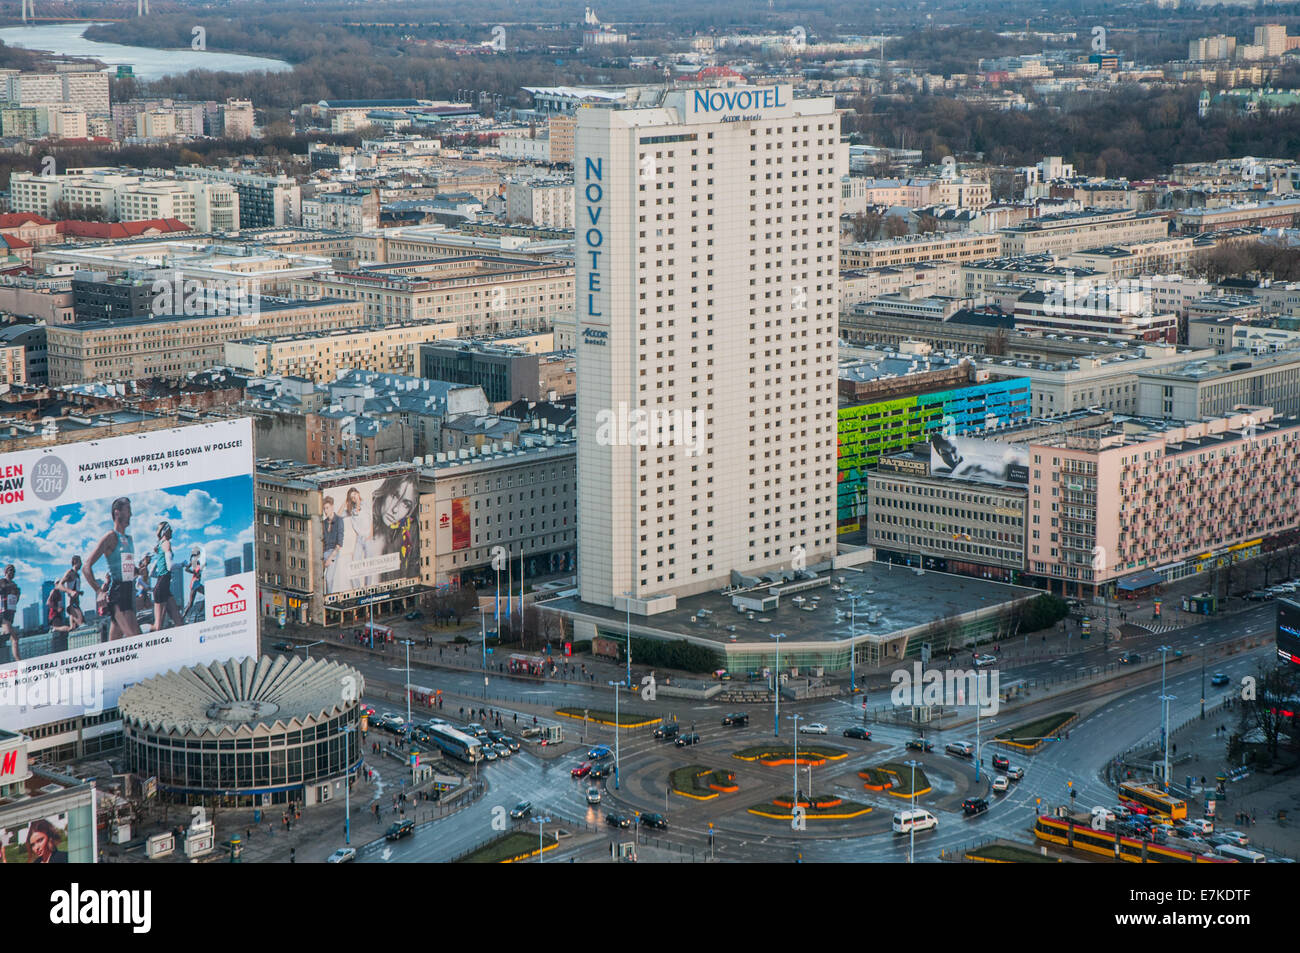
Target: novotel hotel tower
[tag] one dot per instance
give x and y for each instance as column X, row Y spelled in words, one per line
column 707, row 228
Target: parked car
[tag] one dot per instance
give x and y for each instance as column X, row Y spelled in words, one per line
column 343, row 855
column 816, row 728
column 690, row 738
column 582, row 770
column 1001, row 762
column 983, row 660
column 920, row 744
column 1014, row 773
column 1219, row 679
column 400, row 829
column 856, row 731
column 656, row 821
column 618, row 820
column 414, row 614
column 666, row 732
column 974, row 805
column 521, row 810
column 1000, row 784
column 593, row 795
column 1129, row 658
column 737, row 719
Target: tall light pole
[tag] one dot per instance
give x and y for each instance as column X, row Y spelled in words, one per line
column 853, row 632
column 408, row 643
column 483, row 629
column 1164, row 728
column 627, row 604
column 616, row 720
column 795, row 805
column 911, row 832
column 1166, row 699
column 1202, row 683
column 776, row 684
column 347, row 787
column 540, row 822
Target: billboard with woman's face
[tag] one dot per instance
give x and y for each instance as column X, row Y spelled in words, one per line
column 370, row 533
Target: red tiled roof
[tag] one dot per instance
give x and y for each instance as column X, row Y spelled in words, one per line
column 17, row 219
column 13, row 241
column 121, row 229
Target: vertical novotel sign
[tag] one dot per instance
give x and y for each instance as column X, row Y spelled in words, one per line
column 593, row 239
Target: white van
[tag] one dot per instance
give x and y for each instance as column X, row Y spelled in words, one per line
column 1240, row 854
column 918, row 820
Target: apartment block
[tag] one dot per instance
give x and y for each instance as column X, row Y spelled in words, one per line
column 324, row 355
column 1065, row 232
column 1215, row 386
column 910, row 250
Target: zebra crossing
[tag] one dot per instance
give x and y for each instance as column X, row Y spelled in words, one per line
column 1155, row 628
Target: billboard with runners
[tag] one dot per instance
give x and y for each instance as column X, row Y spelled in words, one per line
column 119, row 559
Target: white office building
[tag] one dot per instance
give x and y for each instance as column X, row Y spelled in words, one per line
column 707, row 270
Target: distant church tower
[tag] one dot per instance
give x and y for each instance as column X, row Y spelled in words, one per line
column 1203, row 104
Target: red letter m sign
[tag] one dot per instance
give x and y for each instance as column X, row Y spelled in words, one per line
column 10, row 765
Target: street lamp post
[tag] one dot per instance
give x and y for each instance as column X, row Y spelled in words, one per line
column 627, row 604
column 540, row 822
column 308, row 646
column 408, row 643
column 1164, row 728
column 794, row 807
column 616, row 720
column 911, row 833
column 1166, row 699
column 347, row 787
column 1202, row 683
column 776, row 684
column 853, row 633
column 483, row 630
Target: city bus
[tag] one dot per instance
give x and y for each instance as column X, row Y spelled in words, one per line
column 1144, row 797
column 457, row 744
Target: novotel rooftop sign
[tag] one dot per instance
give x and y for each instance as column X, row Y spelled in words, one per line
column 736, row 103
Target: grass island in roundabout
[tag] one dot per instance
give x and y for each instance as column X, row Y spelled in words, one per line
column 702, row 783
column 825, row 808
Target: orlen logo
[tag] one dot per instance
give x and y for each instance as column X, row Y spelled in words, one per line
column 237, row 604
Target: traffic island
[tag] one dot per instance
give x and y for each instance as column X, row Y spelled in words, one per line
column 1008, row 854
column 509, row 848
column 896, row 780
column 1034, row 734
column 702, row 783
column 816, row 809
column 774, row 755
column 625, row 719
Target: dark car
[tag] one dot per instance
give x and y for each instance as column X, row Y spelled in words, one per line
column 690, row 738
column 400, row 829
column 856, row 731
column 920, row 744
column 283, row 646
column 666, row 732
column 1128, row 658
column 738, row 719
column 1001, row 762
column 414, row 614
column 618, row 820
column 603, row 770
column 654, row 820
column 1219, row 679
column 974, row 805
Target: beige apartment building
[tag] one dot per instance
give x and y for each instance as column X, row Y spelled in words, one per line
column 321, row 356
column 173, row 346
column 914, row 249
column 480, row 294
column 1068, row 232
column 1170, row 499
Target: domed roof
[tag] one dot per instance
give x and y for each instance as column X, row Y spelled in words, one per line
column 239, row 695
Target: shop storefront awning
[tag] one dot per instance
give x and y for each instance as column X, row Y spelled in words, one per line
column 1140, row 580
column 377, row 599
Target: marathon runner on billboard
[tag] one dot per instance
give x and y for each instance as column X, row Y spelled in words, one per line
column 9, row 595
column 117, row 596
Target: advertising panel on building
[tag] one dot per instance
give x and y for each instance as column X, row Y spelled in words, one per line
column 370, row 534
column 973, row 458
column 1288, row 631
column 119, row 559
